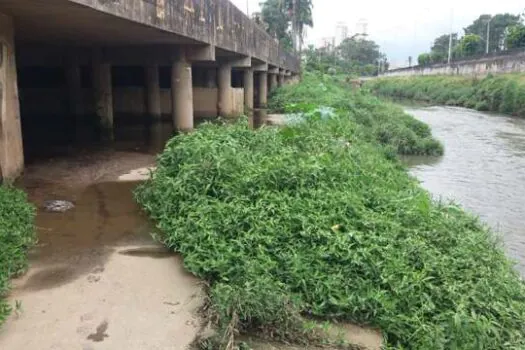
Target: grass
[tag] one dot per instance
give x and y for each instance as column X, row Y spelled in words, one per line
column 16, row 236
column 319, row 220
column 501, row 93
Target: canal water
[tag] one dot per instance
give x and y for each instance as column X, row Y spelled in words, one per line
column 483, row 169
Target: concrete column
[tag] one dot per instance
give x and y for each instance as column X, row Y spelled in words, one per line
column 182, row 95
column 153, row 91
column 74, row 88
column 211, row 78
column 103, row 93
column 273, row 81
column 11, row 148
column 263, row 90
column 225, row 91
column 280, row 79
column 248, row 91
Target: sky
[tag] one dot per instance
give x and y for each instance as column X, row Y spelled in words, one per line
column 403, row 27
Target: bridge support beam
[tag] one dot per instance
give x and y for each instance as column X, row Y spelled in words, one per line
column 153, row 91
column 182, row 94
column 103, row 94
column 225, row 90
column 273, row 81
column 11, row 149
column 262, row 101
column 280, row 78
column 248, row 92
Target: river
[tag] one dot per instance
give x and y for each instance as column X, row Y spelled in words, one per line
column 483, row 169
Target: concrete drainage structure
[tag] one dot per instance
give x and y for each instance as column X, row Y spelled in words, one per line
column 187, row 58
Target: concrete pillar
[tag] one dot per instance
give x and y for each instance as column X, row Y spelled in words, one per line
column 211, row 78
column 225, row 91
column 182, row 94
column 273, row 81
column 153, row 91
column 11, row 147
column 74, row 88
column 280, row 79
column 248, row 91
column 263, row 90
column 103, row 94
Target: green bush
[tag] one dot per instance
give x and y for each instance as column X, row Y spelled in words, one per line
column 502, row 93
column 319, row 220
column 16, row 236
column 481, row 106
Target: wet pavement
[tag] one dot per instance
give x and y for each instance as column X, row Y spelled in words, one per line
column 97, row 280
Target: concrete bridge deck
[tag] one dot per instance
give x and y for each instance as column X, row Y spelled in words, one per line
column 77, row 47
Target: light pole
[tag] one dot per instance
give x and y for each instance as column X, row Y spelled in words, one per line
column 488, row 34
column 450, row 37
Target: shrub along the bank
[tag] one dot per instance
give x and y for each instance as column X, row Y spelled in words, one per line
column 499, row 93
column 319, row 220
column 16, row 236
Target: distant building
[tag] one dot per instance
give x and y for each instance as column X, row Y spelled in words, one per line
column 361, row 29
column 341, row 33
column 327, row 43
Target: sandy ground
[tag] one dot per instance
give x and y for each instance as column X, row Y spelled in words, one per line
column 96, row 279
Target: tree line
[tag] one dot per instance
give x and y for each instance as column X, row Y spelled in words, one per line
column 288, row 20
column 487, row 34
column 354, row 56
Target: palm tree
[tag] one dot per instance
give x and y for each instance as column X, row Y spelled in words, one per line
column 300, row 12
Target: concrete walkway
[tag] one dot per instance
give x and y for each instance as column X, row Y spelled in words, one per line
column 96, row 279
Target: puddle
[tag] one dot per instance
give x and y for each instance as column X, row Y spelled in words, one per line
column 49, row 278
column 148, row 252
column 97, row 262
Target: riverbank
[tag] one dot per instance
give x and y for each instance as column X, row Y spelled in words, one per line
column 318, row 220
column 500, row 93
column 16, row 237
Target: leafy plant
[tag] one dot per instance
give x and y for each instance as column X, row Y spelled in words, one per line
column 318, row 219
column 16, row 236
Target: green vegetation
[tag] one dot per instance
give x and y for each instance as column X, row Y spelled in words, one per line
column 16, row 236
column 506, row 32
column 319, row 220
column 354, row 56
column 286, row 20
column 501, row 93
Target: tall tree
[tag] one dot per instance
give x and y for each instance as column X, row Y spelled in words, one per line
column 516, row 37
column 275, row 18
column 470, row 45
column 499, row 25
column 287, row 20
column 439, row 50
column 300, row 12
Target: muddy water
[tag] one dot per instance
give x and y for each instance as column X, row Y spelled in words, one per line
column 97, row 280
column 483, row 169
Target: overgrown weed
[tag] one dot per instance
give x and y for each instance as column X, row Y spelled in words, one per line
column 496, row 93
column 320, row 220
column 16, row 237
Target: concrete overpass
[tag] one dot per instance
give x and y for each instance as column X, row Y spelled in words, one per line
column 68, row 56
